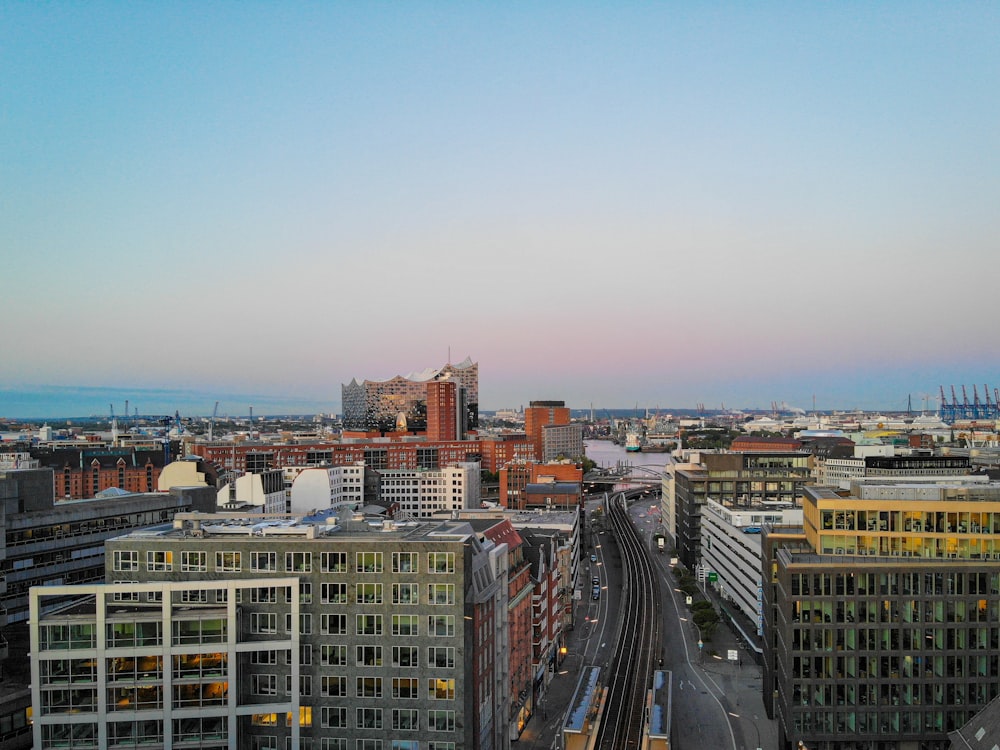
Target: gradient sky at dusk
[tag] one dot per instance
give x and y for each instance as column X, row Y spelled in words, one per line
column 611, row 203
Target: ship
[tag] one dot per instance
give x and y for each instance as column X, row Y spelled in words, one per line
column 632, row 444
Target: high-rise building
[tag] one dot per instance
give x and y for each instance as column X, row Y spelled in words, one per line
column 47, row 543
column 881, row 615
column 382, row 405
column 445, row 411
column 562, row 441
column 313, row 633
column 734, row 480
column 537, row 416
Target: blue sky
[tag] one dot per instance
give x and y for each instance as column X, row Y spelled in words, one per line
column 652, row 203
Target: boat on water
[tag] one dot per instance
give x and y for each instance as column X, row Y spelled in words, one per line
column 632, row 444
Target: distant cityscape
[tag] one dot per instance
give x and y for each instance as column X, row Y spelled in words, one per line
column 418, row 566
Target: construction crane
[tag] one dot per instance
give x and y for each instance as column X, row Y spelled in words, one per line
column 211, row 425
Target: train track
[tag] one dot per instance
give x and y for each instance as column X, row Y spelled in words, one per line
column 638, row 644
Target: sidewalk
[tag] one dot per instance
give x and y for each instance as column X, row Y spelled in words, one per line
column 739, row 682
column 546, row 723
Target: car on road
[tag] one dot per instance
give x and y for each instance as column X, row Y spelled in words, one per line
column 593, row 558
column 597, row 592
column 597, row 581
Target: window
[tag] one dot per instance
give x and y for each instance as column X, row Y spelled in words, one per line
column 405, row 656
column 369, row 656
column 126, row 560
column 441, row 593
column 126, row 596
column 263, row 657
column 405, row 718
column 298, row 562
column 333, row 593
column 263, row 742
column 335, row 624
column 404, row 687
column 334, row 717
column 404, row 562
column 369, row 718
column 159, row 561
column 441, row 625
column 263, row 622
column 333, row 686
column 305, row 623
column 440, row 562
column 264, row 595
column 405, row 593
column 370, row 624
column 334, row 743
column 305, row 686
column 368, row 687
column 440, row 746
column 441, row 657
column 305, row 592
column 369, row 593
column 405, row 745
column 228, row 562
column 263, row 561
column 441, row 689
column 194, row 596
column 369, row 744
column 333, row 655
column 405, row 625
column 333, row 562
column 368, row 562
column 440, row 721
column 194, row 562
column 264, row 684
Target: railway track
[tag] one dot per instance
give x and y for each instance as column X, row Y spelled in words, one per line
column 623, row 720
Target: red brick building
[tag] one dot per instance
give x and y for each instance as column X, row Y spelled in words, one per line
column 394, row 452
column 515, row 477
column 539, row 414
column 80, row 474
column 520, row 586
column 442, row 410
column 756, row 443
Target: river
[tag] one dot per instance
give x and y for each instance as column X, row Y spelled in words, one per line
column 607, row 455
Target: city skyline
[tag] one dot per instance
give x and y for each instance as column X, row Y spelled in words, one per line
column 661, row 205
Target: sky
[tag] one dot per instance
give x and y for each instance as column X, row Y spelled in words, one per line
column 608, row 203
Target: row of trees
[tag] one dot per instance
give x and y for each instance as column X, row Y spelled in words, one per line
column 703, row 613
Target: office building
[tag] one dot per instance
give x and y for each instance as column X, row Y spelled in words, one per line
column 537, row 416
column 731, row 555
column 326, row 487
column 562, row 441
column 421, row 493
column 734, row 480
column 315, row 633
column 49, row 543
column 882, row 615
column 841, row 472
column 515, row 478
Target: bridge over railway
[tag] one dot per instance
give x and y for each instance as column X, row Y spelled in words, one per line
column 634, row 475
